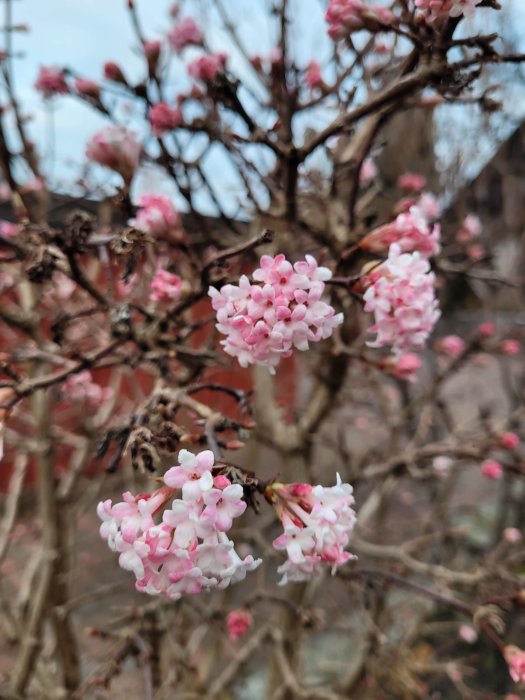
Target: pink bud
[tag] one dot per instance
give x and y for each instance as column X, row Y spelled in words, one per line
column 51, row 81
column 475, row 252
column 492, row 469
column 468, row 634
column 368, row 171
column 87, row 88
column 313, row 76
column 486, row 329
column 404, row 366
column 510, row 347
column 412, row 182
column 221, row 482
column 451, row 345
column 512, row 535
column 113, row 72
column 238, row 623
column 509, row 440
column 163, row 118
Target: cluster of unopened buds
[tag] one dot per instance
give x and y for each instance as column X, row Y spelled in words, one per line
column 176, row 542
column 282, row 310
column 346, row 16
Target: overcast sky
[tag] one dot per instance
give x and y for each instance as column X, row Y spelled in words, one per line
column 83, row 34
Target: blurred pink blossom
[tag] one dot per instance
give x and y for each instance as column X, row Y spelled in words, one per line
column 313, row 77
column 238, row 623
column 157, row 215
column 206, row 67
column 468, row 634
column 469, row 229
column 515, row 657
column 113, row 72
column 492, row 469
column 512, row 535
column 486, row 329
column 404, row 366
column 509, row 440
column 451, row 345
column 51, row 81
column 186, row 32
column 116, row 148
column 163, row 118
column 80, row 387
column 368, row 171
column 412, row 182
column 87, row 88
column 510, row 347
column 8, row 229
column 165, row 286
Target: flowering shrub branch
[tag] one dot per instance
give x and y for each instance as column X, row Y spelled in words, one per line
column 293, row 323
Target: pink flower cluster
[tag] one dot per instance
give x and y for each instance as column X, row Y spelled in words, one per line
column 156, row 215
column 401, row 294
column 165, row 286
column 440, row 9
column 51, row 81
column 317, row 522
column 347, row 16
column 186, row 549
column 163, row 118
column 81, row 388
column 412, row 230
column 206, row 67
column 116, row 148
column 283, row 310
column 186, row 32
column 515, row 657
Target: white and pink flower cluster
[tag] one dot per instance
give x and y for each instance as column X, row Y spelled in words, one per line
column 317, row 522
column 440, row 9
column 401, row 295
column 347, row 16
column 283, row 310
column 412, row 230
column 186, row 549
